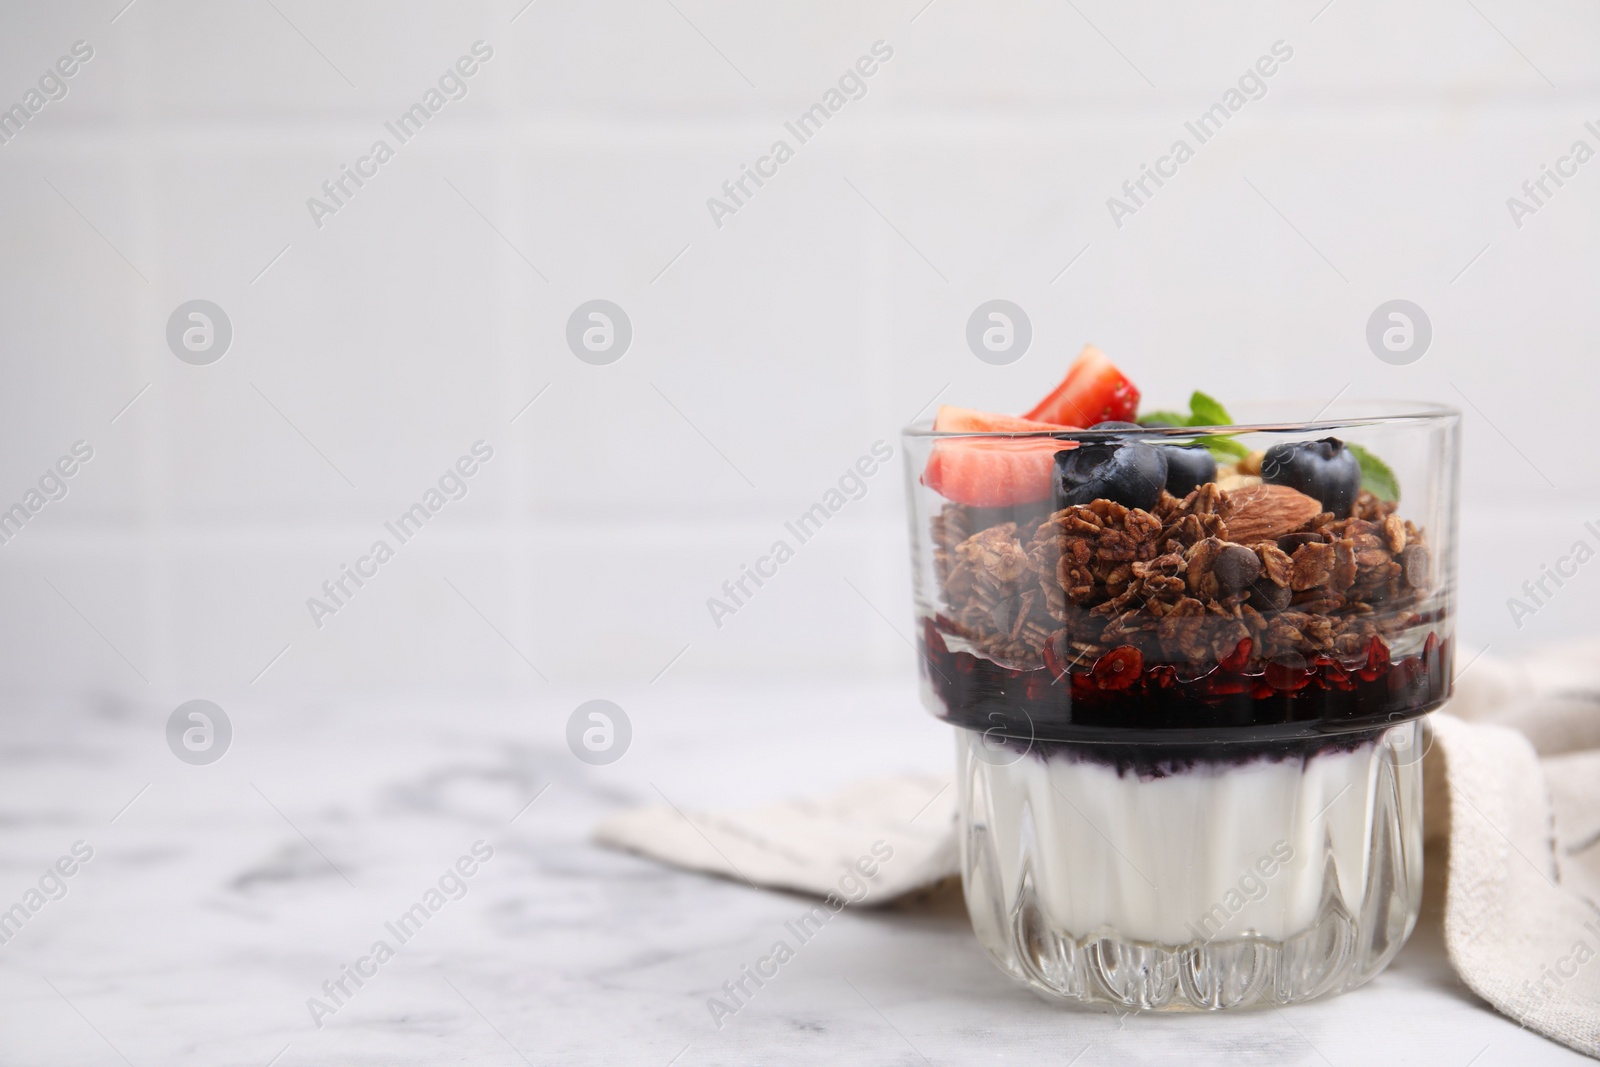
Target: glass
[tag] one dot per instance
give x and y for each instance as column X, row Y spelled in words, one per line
column 1190, row 779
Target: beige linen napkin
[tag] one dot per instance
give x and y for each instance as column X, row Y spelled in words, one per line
column 871, row 842
column 1513, row 793
column 1514, row 788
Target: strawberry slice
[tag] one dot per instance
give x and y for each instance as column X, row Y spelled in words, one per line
column 1094, row 390
column 991, row 472
column 966, row 420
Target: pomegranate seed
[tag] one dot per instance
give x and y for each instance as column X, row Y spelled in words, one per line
column 1051, row 662
column 1235, row 661
column 1287, row 677
column 1118, row 669
column 1377, row 658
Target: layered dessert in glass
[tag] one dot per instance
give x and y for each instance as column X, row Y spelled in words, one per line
column 1187, row 656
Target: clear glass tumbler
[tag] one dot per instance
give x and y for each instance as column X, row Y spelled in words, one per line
column 1189, row 736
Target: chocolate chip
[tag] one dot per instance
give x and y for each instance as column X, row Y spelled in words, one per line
column 1290, row 542
column 1415, row 562
column 1235, row 567
column 1267, row 596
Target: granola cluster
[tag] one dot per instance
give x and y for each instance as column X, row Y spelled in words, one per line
column 1174, row 584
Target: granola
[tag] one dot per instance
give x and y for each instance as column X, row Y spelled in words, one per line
column 1176, row 584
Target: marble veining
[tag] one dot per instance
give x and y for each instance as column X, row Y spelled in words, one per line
column 219, row 901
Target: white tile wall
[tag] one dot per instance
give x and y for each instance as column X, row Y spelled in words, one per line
column 410, row 325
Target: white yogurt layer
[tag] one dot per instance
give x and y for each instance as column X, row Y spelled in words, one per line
column 1212, row 852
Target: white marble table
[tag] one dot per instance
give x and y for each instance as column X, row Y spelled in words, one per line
column 222, row 897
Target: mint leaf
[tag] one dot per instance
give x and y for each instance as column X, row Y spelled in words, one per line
column 1203, row 411
column 1225, row 449
column 1207, row 412
column 1376, row 477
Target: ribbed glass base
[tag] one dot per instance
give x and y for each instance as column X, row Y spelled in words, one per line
column 1198, row 891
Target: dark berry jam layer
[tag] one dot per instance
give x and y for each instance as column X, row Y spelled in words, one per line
column 1122, row 699
column 1168, row 758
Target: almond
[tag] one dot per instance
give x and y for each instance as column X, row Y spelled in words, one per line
column 1267, row 512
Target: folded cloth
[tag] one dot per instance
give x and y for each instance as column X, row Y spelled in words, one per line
column 1512, row 790
column 878, row 839
column 1513, row 786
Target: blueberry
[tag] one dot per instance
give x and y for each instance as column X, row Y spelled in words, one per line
column 1188, row 467
column 1132, row 474
column 1322, row 469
